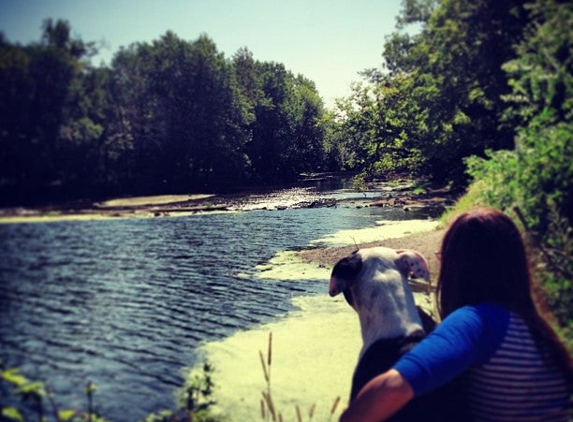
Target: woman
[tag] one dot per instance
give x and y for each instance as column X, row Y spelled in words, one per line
column 511, row 361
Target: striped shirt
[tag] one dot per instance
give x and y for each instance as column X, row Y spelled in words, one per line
column 517, row 383
column 507, row 377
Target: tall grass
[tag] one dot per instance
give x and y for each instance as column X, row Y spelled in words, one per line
column 269, row 411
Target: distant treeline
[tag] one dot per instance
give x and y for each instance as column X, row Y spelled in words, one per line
column 166, row 116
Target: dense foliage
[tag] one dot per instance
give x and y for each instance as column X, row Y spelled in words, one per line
column 438, row 98
column 170, row 115
column 481, row 92
column 537, row 175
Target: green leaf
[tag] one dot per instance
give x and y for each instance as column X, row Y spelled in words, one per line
column 36, row 388
column 12, row 413
column 13, row 376
column 66, row 415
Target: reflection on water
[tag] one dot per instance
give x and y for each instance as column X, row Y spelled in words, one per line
column 126, row 303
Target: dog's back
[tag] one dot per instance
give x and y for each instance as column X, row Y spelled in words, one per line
column 380, row 357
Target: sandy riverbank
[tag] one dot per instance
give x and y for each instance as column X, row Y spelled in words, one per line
column 426, row 242
column 135, row 207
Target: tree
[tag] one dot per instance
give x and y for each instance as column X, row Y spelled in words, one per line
column 37, row 82
column 449, row 82
column 182, row 113
column 198, row 90
column 248, row 80
column 536, row 175
column 269, row 129
column 307, row 149
column 170, row 115
column 466, row 44
column 542, row 84
column 288, row 132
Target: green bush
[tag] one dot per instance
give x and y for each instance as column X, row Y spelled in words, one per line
column 536, row 177
column 496, row 173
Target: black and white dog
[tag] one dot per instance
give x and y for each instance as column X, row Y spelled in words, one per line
column 374, row 282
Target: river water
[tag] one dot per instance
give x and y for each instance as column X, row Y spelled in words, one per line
column 127, row 303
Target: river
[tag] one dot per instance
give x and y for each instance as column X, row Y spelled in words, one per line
column 129, row 303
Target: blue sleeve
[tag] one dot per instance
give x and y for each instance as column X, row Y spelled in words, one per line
column 467, row 337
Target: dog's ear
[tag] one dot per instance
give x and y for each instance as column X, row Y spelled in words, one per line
column 344, row 272
column 413, row 263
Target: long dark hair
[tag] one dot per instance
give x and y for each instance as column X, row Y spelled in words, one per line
column 484, row 259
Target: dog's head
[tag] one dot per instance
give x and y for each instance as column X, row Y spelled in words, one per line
column 374, row 282
column 370, row 272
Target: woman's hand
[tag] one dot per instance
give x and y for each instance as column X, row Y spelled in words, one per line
column 379, row 399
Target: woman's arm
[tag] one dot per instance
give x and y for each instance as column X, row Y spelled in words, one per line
column 379, row 399
column 468, row 336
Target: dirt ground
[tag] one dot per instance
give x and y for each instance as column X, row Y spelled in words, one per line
column 427, row 243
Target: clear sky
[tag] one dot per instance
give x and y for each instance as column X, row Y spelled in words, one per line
column 328, row 41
